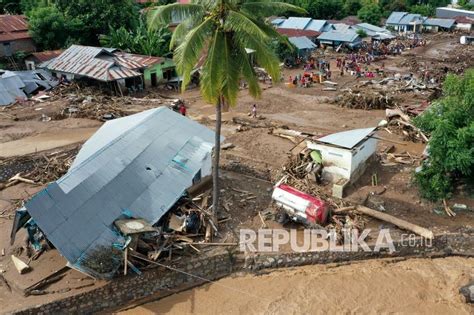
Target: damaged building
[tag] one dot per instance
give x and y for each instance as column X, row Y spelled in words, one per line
column 122, row 72
column 19, row 85
column 135, row 169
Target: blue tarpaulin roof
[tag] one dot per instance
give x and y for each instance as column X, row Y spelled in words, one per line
column 137, row 166
column 302, row 42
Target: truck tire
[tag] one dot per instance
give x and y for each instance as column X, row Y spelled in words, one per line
column 282, row 217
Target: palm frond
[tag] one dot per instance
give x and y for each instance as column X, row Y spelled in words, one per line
column 182, row 29
column 188, row 52
column 248, row 74
column 232, row 69
column 166, row 14
column 239, row 23
column 269, row 8
column 211, row 80
column 264, row 55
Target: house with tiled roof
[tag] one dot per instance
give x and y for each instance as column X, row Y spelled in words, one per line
column 14, row 36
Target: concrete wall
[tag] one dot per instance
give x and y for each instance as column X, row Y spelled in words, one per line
column 157, row 69
column 26, row 45
column 336, row 161
column 123, row 290
column 463, row 26
column 362, row 153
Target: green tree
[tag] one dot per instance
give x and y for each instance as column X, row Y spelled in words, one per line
column 142, row 40
column 423, row 9
column 50, row 29
column 97, row 16
column 370, row 13
column 10, row 7
column 325, row 9
column 28, row 5
column 220, row 31
column 450, row 121
column 351, row 7
column 361, row 33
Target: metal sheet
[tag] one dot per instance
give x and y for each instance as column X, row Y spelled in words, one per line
column 138, row 165
column 347, row 139
column 302, row 42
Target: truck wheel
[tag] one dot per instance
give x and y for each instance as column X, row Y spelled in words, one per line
column 282, row 217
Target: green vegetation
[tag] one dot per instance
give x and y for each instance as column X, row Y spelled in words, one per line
column 220, row 32
column 361, row 33
column 423, row 9
column 370, row 13
column 142, row 40
column 450, row 121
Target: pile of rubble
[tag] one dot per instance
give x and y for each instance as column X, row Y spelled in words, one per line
column 36, row 168
column 399, row 122
column 366, row 100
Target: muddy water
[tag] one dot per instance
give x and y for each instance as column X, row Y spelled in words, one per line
column 372, row 287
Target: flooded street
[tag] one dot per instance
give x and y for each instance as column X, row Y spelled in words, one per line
column 418, row 286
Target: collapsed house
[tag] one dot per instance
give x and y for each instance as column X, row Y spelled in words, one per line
column 19, row 85
column 345, row 154
column 120, row 71
column 375, row 32
column 133, row 168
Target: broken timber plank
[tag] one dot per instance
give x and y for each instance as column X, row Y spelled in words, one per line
column 396, row 221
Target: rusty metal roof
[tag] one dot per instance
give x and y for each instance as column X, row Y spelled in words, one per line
column 141, row 59
column 47, row 55
column 13, row 27
column 94, row 62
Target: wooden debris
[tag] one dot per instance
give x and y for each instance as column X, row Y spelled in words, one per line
column 396, row 221
column 448, row 210
column 264, row 225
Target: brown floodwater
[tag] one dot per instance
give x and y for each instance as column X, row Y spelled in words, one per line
column 416, row 286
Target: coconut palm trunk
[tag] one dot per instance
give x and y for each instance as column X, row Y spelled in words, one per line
column 216, row 161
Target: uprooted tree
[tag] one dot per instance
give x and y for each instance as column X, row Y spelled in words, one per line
column 450, row 121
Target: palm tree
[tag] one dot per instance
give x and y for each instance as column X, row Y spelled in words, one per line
column 220, row 31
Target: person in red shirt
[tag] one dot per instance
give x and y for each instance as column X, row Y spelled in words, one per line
column 182, row 109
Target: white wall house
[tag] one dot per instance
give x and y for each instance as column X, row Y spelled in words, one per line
column 345, row 154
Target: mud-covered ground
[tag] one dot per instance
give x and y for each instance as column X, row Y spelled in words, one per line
column 49, row 126
column 416, row 286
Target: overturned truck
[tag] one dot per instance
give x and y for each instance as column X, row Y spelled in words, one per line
column 126, row 177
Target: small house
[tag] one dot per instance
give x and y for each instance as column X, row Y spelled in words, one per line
column 37, row 58
column 345, row 154
column 135, row 167
column 335, row 39
column 157, row 69
column 304, row 46
column 375, row 32
column 464, row 23
column 436, row 25
column 14, row 36
column 405, row 22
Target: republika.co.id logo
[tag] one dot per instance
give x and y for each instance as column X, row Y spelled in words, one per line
column 313, row 240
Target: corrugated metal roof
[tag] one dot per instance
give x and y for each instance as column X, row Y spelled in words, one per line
column 341, row 27
column 371, row 27
column 410, row 18
column 396, row 17
column 13, row 27
column 94, row 62
column 43, row 56
column 347, row 139
column 347, row 37
column 142, row 60
column 137, row 166
column 318, row 26
column 298, row 23
column 302, row 42
column 445, row 23
column 277, row 21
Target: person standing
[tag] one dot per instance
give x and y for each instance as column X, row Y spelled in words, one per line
column 254, row 111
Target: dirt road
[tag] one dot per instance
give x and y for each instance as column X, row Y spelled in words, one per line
column 374, row 287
